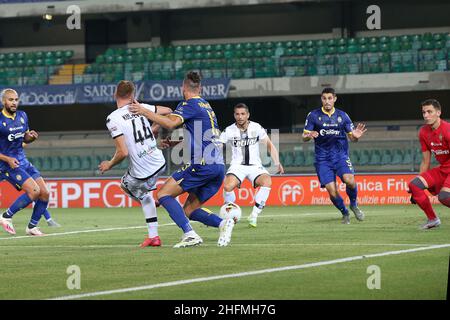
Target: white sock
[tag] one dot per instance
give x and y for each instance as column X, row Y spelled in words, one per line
column 229, row 196
column 149, row 208
column 191, row 233
column 260, row 201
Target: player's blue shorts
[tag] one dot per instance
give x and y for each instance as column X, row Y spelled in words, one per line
column 18, row 176
column 202, row 180
column 328, row 170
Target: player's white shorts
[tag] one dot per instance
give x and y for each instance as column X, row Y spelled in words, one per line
column 138, row 188
column 250, row 172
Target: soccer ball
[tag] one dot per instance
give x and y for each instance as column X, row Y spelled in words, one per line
column 230, row 210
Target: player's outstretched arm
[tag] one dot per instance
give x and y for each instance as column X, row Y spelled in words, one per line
column 274, row 154
column 169, row 122
column 119, row 156
column 358, row 132
column 163, row 110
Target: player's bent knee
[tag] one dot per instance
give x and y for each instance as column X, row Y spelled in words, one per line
column 444, row 198
column 34, row 193
column 417, row 182
column 44, row 195
column 228, row 187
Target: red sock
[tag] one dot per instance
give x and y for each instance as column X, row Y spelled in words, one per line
column 422, row 201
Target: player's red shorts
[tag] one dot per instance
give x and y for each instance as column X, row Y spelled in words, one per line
column 436, row 179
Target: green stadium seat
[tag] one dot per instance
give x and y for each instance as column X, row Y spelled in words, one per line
column 299, row 158
column 428, row 45
column 86, row 163
column 341, row 42
column 364, row 157
column 354, row 157
column 66, row 163
column 309, row 158
column 289, row 159
column 309, row 44
column 386, row 157
column 11, row 56
column 47, row 164
column 397, row 157
column 75, row 162
column 268, row 45
column 375, row 158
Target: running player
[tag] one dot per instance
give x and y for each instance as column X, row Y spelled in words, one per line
column 202, row 177
column 330, row 127
column 15, row 167
column 244, row 136
column 134, row 139
column 434, row 138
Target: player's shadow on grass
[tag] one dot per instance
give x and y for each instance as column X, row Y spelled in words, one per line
column 335, row 219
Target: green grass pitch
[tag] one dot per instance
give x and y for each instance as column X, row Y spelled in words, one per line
column 104, row 244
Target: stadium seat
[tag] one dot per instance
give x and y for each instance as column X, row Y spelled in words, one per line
column 288, row 159
column 397, row 157
column 386, row 157
column 47, row 164
column 75, row 162
column 364, row 157
column 299, row 158
column 309, row 158
column 407, row 157
column 354, row 157
column 66, row 163
column 375, row 158
column 86, row 163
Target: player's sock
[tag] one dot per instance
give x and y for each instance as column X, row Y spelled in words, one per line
column 149, row 208
column 339, row 204
column 444, row 198
column 418, row 193
column 352, row 195
column 260, row 200
column 229, row 196
column 21, row 202
column 38, row 210
column 47, row 215
column 176, row 212
column 206, row 216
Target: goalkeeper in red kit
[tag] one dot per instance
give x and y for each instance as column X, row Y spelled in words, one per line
column 434, row 139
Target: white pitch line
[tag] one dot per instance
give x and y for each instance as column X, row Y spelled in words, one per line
column 141, row 227
column 82, row 231
column 246, row 274
column 106, row 246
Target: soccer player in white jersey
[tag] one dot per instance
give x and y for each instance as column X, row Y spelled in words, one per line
column 244, row 137
column 134, row 139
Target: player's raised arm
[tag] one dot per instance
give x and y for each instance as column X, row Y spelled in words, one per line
column 169, row 121
column 358, row 132
column 119, row 156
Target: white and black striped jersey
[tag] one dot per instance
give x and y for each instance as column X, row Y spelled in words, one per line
column 245, row 144
column 145, row 159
